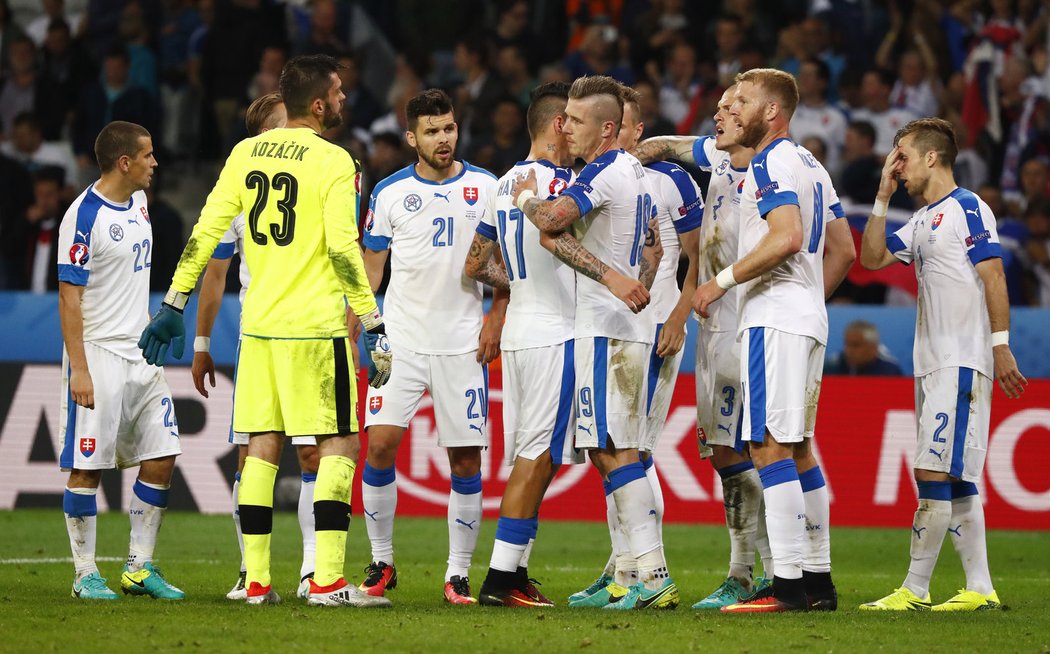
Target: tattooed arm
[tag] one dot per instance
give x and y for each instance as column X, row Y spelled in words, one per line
column 659, row 148
column 481, row 265
column 652, row 253
column 569, row 250
column 547, row 215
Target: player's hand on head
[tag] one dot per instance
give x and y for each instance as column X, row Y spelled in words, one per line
column 202, row 366
column 81, row 388
column 890, row 169
column 1006, row 372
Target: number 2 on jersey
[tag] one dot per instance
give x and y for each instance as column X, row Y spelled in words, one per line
column 282, row 234
column 515, row 215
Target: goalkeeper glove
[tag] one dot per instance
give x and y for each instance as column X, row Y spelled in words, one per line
column 378, row 349
column 165, row 330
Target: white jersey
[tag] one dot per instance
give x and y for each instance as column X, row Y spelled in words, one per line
column 827, row 123
column 720, row 230
column 616, row 203
column 886, row 124
column 107, row 248
column 542, row 305
column 947, row 239
column 679, row 208
column 232, row 242
column 790, row 297
column 431, row 307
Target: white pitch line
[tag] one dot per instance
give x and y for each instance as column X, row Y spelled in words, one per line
column 103, row 559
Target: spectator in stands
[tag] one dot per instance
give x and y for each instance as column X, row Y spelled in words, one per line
column 917, row 86
column 729, row 36
column 862, row 168
column 815, row 117
column 112, row 98
column 814, row 41
column 361, row 105
column 19, row 89
column 271, row 63
column 479, row 90
column 498, row 151
column 54, row 10
column 680, row 87
column 10, row 32
column 324, row 37
column 597, row 55
column 1012, row 237
column 512, row 28
column 28, row 147
column 862, row 354
column 1037, row 220
column 817, row 148
column 657, row 30
column 142, row 61
column 513, row 67
column 649, row 110
column 16, row 194
column 1034, row 178
column 40, row 230
column 886, row 119
column 65, row 68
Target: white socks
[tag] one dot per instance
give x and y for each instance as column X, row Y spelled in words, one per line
column 785, row 517
column 306, row 523
column 968, row 536
column 514, row 538
column 816, row 556
column 146, row 511
column 237, row 517
column 636, row 509
column 621, row 566
column 80, row 508
column 927, row 534
column 464, row 523
column 742, row 498
column 379, row 499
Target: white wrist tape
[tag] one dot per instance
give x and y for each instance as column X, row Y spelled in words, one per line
column 524, row 197
column 1001, row 338
column 880, row 208
column 371, row 320
column 725, row 279
column 202, row 344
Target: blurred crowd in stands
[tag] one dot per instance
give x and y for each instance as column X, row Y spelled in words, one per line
column 187, row 69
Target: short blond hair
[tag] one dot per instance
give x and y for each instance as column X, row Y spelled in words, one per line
column 260, row 114
column 592, row 85
column 931, row 135
column 777, row 83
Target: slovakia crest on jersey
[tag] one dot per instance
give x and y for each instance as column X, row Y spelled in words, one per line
column 936, row 221
column 87, row 446
column 78, row 254
column 145, row 214
column 375, row 403
column 740, row 186
column 470, row 195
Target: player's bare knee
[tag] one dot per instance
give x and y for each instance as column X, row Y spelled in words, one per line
column 242, row 454
column 464, row 461
column 723, row 457
column 803, row 455
column 308, row 458
column 84, row 478
column 157, row 471
column 922, row 474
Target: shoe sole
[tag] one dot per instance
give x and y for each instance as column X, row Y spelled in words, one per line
column 318, row 601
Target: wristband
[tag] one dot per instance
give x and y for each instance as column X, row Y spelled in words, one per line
column 524, row 197
column 725, row 279
column 202, row 344
column 1001, row 338
column 371, row 320
column 880, row 208
column 176, row 299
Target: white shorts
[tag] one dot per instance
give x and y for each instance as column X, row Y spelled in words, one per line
column 458, row 384
column 718, row 397
column 780, row 378
column 240, row 437
column 133, row 419
column 539, row 412
column 610, row 392
column 661, row 377
column 952, row 410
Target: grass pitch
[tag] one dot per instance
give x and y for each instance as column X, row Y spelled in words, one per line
column 199, row 554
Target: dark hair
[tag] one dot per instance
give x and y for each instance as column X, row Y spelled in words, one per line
column 823, row 72
column 305, row 79
column 931, row 134
column 545, row 102
column 118, row 51
column 1037, row 207
column 118, row 139
column 260, row 113
column 432, row 102
column 886, row 77
column 27, row 119
column 50, row 174
column 390, row 138
column 58, row 24
column 864, row 128
column 477, row 47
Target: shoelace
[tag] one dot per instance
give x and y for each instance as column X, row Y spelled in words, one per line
column 461, row 586
column 375, row 573
column 94, row 582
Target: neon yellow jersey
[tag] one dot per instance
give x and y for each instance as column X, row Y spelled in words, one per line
column 299, row 195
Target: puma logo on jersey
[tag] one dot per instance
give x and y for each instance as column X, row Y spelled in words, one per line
column 937, row 454
column 584, row 428
column 956, row 530
column 444, row 196
column 477, row 428
column 759, row 164
column 973, row 211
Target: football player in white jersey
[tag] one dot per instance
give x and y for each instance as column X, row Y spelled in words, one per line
column 718, row 397
column 788, row 211
column 679, row 210
column 613, row 200
column 117, row 410
column 537, row 341
column 426, row 214
column 961, row 343
column 264, row 114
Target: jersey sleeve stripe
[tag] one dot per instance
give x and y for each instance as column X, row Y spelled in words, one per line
column 580, row 197
column 700, row 154
column 687, row 216
column 376, row 243
column 979, row 243
column 894, row 243
column 488, row 231
column 224, row 250
column 73, row 274
column 87, row 212
column 591, row 170
column 838, row 210
column 769, row 203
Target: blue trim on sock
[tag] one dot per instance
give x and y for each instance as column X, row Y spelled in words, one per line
column 466, row 485
column 607, row 487
column 79, row 506
column 309, row 477
column 515, row 531
column 378, row 476
column 962, row 420
column 152, row 496
column 534, row 526
column 626, row 474
column 237, row 476
column 778, row 472
column 961, row 489
column 811, row 479
column 647, row 463
column 935, row 490
column 735, row 469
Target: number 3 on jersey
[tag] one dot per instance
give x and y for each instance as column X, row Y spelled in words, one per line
column 282, row 182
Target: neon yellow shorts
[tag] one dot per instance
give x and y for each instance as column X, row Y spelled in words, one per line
column 302, row 387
